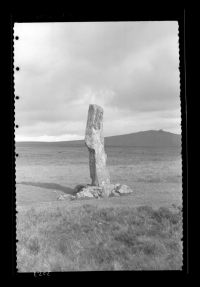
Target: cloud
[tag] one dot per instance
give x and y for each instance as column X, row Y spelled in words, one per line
column 131, row 69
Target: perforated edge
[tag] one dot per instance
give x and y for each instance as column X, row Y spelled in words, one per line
column 179, row 60
column 15, row 153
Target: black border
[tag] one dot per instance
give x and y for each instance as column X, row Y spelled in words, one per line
column 179, row 15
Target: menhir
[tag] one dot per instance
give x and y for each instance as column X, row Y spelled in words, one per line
column 95, row 143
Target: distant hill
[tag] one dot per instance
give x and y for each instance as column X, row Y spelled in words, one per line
column 151, row 138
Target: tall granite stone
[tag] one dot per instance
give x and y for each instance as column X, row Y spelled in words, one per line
column 95, row 143
column 100, row 186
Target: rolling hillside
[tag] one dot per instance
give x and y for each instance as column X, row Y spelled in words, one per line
column 151, row 138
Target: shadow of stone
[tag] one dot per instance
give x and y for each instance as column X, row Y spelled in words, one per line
column 49, row 185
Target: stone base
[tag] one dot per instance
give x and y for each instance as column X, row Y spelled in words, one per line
column 89, row 191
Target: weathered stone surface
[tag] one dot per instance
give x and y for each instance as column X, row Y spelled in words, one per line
column 95, row 143
column 84, row 193
column 91, row 191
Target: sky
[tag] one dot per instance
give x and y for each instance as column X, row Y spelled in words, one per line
column 131, row 69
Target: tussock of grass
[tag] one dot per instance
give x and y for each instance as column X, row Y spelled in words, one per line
column 90, row 238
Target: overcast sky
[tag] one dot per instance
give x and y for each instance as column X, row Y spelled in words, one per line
column 131, row 69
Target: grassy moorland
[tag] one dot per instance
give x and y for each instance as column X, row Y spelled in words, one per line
column 87, row 237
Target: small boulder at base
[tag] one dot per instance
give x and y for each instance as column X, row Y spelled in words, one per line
column 122, row 189
column 90, row 191
column 108, row 190
column 84, row 193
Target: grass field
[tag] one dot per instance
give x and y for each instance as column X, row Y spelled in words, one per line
column 88, row 237
column 140, row 231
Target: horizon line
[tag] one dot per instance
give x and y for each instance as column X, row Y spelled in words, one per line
column 104, row 137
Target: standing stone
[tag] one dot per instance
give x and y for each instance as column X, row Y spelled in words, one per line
column 95, row 143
